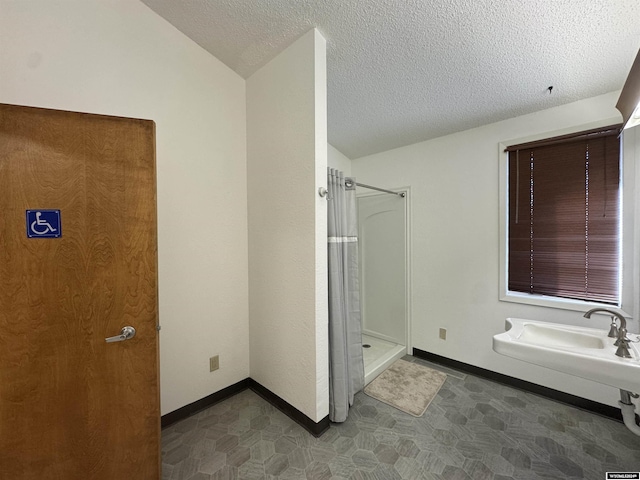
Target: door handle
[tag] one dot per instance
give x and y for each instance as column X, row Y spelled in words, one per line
column 125, row 334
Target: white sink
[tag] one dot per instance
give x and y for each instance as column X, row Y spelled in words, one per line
column 580, row 351
column 550, row 336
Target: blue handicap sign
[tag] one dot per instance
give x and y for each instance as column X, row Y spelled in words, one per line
column 44, row 224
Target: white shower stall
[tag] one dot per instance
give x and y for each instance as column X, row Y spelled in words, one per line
column 384, row 278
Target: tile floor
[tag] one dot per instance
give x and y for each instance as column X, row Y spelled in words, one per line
column 474, row 429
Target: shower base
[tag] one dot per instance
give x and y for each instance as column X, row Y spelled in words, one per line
column 379, row 356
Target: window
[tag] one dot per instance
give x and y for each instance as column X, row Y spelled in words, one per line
column 564, row 217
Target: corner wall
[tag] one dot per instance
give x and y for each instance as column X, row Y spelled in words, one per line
column 455, row 240
column 338, row 160
column 286, row 160
column 120, row 58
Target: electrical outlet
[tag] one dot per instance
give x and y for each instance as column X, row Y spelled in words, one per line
column 443, row 333
column 214, row 363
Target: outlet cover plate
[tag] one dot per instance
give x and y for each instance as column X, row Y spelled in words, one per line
column 214, row 363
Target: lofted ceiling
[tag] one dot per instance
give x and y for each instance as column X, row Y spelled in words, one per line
column 404, row 71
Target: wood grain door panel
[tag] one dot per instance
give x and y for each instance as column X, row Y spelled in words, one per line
column 71, row 405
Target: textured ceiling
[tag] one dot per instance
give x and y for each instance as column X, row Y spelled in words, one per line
column 403, row 71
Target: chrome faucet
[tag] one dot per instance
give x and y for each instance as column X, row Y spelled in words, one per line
column 622, row 342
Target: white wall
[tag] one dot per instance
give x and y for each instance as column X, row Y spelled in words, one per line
column 455, row 239
column 336, row 159
column 286, row 163
column 120, row 58
column 382, row 243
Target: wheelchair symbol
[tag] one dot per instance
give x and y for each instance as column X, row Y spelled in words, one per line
column 43, row 223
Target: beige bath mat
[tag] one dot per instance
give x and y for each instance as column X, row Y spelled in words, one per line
column 407, row 386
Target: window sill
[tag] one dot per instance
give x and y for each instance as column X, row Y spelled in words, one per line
column 553, row 302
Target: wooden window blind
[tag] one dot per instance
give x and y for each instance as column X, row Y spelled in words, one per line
column 564, row 217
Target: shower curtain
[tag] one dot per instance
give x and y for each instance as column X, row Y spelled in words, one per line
column 346, row 366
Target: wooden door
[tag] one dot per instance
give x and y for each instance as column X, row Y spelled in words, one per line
column 73, row 406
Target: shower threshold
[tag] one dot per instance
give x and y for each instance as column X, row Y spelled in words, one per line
column 379, row 356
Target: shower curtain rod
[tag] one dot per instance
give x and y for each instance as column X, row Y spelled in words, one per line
column 400, row 194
